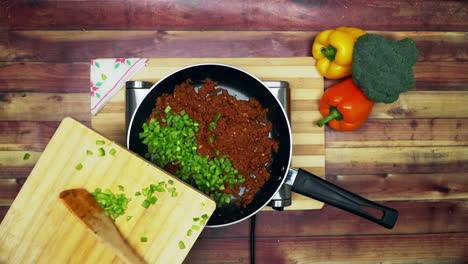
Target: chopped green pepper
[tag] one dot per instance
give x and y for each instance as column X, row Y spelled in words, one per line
column 101, row 152
column 112, row 152
column 153, row 200
column 217, row 116
column 181, row 244
column 145, row 204
column 114, row 205
column 79, row 166
column 173, row 140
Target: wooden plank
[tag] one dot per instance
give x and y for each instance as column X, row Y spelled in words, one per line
column 425, row 104
column 26, row 135
column 440, row 75
column 74, row 77
column 279, row 72
column 392, row 160
column 342, row 249
column 31, row 135
column 416, row 217
column 82, row 46
column 381, row 186
column 241, row 61
column 402, row 132
column 377, row 187
column 412, row 104
column 236, row 15
column 44, row 77
column 14, row 172
column 13, row 165
column 9, row 188
column 16, row 158
column 44, row 106
column 406, row 186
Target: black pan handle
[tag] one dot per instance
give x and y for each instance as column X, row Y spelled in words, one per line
column 313, row 186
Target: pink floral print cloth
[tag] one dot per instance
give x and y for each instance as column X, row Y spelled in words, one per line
column 108, row 76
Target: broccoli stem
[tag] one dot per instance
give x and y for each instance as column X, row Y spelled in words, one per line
column 334, row 114
column 329, row 52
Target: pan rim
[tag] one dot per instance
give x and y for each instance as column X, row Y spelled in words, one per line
column 277, row 102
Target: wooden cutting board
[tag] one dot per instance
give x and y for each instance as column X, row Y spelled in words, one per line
column 306, row 89
column 39, row 229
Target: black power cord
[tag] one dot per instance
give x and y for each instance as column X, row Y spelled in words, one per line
column 252, row 239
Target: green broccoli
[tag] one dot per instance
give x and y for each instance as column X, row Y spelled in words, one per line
column 382, row 68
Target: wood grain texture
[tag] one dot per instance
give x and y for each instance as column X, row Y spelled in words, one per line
column 403, row 132
column 416, row 217
column 376, row 187
column 343, row 249
column 9, row 188
column 44, row 106
column 390, row 160
column 26, row 135
column 74, row 77
column 44, row 77
column 235, row 15
column 424, row 104
column 412, row 104
column 83, row 46
column 15, row 172
column 34, row 135
column 412, row 187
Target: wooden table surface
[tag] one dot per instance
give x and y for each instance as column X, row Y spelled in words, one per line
column 411, row 155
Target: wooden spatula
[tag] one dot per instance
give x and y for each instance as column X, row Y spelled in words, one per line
column 85, row 207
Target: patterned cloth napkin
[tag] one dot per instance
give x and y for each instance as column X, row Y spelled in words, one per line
column 108, row 76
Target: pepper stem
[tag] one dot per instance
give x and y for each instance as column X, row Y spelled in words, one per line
column 334, row 114
column 329, row 52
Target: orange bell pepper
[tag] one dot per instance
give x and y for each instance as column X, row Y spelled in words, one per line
column 344, row 106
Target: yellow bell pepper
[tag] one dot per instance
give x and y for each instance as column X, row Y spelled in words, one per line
column 333, row 50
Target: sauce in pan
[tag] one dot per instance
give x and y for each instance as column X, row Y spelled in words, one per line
column 237, row 129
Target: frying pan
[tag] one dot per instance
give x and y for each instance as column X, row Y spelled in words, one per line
column 244, row 85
